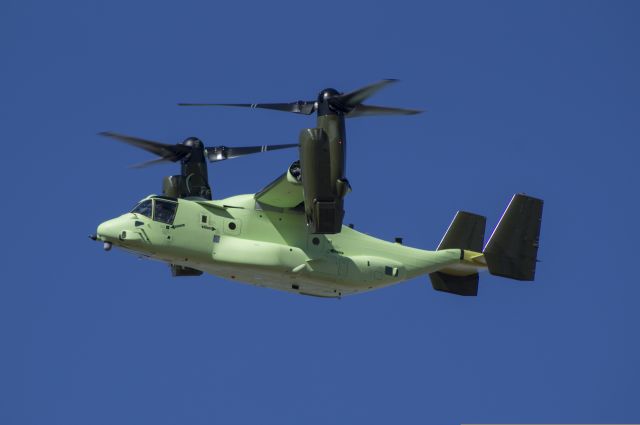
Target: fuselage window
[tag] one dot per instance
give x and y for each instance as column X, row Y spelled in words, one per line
column 164, row 211
column 143, row 208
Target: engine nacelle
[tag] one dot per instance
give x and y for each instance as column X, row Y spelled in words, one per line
column 179, row 186
column 173, row 186
column 323, row 194
column 193, row 180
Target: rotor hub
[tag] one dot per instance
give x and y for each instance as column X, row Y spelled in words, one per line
column 326, row 94
column 193, row 142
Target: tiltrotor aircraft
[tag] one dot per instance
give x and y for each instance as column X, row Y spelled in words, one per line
column 289, row 236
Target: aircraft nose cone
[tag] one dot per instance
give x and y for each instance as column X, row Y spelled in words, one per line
column 108, row 230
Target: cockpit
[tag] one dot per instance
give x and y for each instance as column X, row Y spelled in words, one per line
column 157, row 208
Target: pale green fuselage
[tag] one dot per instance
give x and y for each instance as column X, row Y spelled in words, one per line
column 239, row 239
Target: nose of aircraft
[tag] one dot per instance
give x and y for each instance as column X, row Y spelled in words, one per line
column 109, row 230
column 120, row 231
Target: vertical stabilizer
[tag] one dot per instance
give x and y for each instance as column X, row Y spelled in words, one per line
column 512, row 249
column 466, row 232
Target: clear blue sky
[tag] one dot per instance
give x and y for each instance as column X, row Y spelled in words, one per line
column 541, row 97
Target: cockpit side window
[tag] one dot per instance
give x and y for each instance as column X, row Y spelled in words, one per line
column 164, row 211
column 143, row 208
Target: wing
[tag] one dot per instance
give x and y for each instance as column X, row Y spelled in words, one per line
column 285, row 191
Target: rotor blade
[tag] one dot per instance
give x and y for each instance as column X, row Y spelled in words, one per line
column 371, row 110
column 220, row 153
column 356, row 97
column 299, row 107
column 168, row 152
column 148, row 163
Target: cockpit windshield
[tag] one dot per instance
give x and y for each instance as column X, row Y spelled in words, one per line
column 157, row 209
column 164, row 211
column 143, row 208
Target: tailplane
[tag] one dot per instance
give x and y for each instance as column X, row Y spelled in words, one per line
column 511, row 252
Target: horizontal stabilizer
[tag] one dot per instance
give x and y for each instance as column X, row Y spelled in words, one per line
column 459, row 285
column 512, row 249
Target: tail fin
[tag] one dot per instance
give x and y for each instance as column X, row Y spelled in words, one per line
column 466, row 231
column 511, row 251
column 513, row 247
